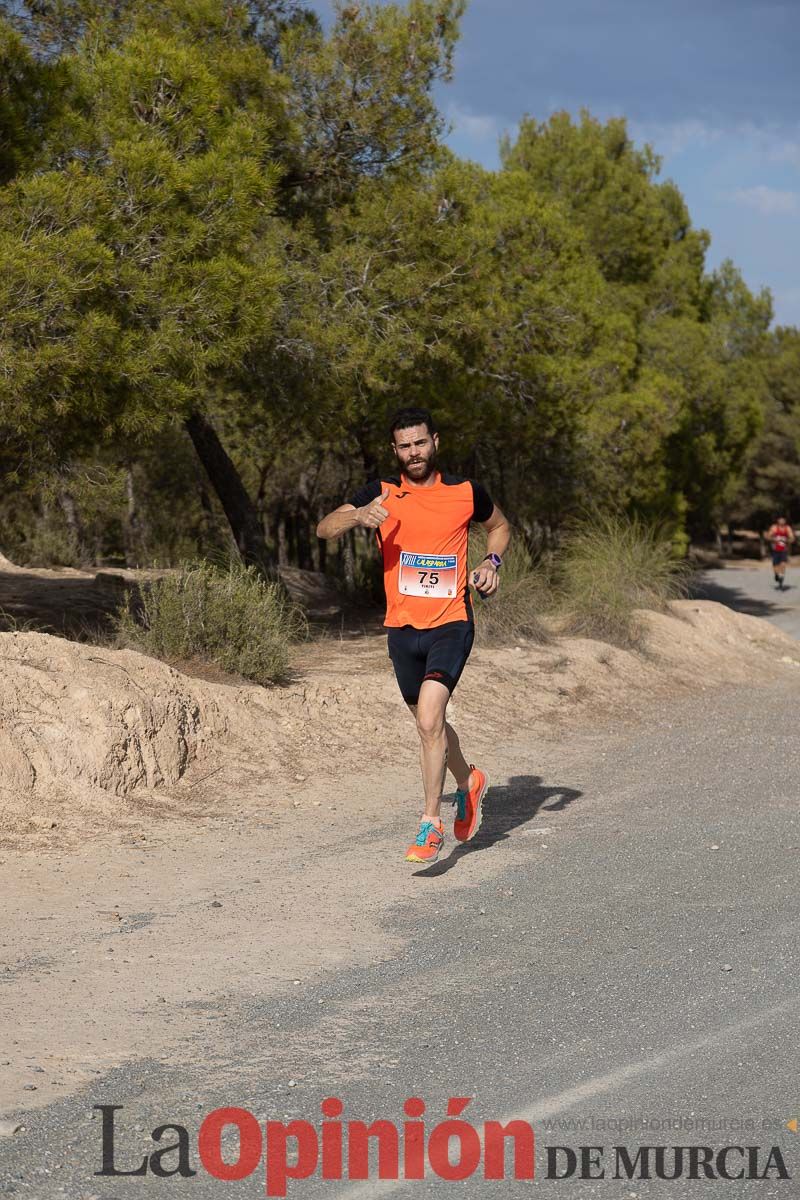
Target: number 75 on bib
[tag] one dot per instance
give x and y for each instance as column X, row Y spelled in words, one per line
column 433, row 575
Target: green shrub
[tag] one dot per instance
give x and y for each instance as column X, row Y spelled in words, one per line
column 515, row 611
column 608, row 568
column 48, row 544
column 227, row 615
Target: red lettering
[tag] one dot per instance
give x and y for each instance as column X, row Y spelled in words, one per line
column 494, row 1149
column 209, row 1143
column 332, row 1139
column 358, row 1135
column 414, row 1140
column 278, row 1169
column 469, row 1150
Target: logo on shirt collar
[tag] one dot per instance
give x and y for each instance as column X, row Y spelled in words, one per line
column 400, row 495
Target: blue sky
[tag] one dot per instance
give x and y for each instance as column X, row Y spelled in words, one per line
column 711, row 84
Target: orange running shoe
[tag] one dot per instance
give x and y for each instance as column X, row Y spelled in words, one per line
column 469, row 805
column 430, row 840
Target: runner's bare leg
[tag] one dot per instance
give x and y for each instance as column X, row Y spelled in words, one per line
column 430, row 714
column 457, row 765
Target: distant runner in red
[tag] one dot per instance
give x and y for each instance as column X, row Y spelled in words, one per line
column 421, row 519
column 780, row 536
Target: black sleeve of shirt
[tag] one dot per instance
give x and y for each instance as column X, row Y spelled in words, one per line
column 366, row 493
column 483, row 505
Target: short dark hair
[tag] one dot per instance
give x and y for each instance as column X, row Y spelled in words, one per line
column 404, row 418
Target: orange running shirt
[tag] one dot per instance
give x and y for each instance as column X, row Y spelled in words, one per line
column 424, row 543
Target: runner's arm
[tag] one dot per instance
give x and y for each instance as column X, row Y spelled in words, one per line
column 485, row 577
column 338, row 522
column 348, row 516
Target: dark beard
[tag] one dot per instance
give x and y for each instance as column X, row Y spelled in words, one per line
column 430, row 467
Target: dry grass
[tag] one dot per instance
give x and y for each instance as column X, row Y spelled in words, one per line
column 515, row 612
column 11, row 623
column 610, row 567
column 228, row 616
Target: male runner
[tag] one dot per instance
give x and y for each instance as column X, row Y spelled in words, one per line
column 780, row 536
column 421, row 519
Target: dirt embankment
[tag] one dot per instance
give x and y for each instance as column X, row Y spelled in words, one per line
column 96, row 740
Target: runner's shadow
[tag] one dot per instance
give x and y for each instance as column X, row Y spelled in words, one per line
column 505, row 807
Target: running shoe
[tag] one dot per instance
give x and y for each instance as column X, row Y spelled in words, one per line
column 428, row 844
column 469, row 805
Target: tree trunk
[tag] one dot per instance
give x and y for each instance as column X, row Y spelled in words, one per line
column 75, row 525
column 367, row 457
column 315, row 544
column 283, row 549
column 238, row 507
column 207, row 531
column 349, row 562
column 303, row 522
column 133, row 523
column 322, row 545
column 261, row 507
column 291, row 532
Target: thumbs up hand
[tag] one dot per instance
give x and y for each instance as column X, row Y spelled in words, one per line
column 374, row 514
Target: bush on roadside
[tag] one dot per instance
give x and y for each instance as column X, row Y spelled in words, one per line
column 226, row 615
column 515, row 612
column 608, row 568
column 48, row 544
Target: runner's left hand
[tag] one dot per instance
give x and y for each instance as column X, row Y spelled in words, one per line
column 485, row 578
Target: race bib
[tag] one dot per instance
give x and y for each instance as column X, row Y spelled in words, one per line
column 432, row 575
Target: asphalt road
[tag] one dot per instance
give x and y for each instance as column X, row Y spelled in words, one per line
column 632, row 959
column 751, row 589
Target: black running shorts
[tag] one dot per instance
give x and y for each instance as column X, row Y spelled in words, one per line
column 779, row 556
column 419, row 654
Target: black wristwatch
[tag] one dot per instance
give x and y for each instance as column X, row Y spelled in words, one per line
column 495, row 560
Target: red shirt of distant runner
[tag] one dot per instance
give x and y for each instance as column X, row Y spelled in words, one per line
column 780, row 538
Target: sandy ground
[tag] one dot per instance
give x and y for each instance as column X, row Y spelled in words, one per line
column 131, row 910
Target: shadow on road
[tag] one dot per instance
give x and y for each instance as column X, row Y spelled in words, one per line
column 735, row 598
column 506, row 807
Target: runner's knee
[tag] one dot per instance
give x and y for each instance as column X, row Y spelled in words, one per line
column 430, row 722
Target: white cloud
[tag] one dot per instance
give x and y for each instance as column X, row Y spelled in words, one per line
column 478, row 127
column 770, row 202
column 775, row 144
column 769, row 143
column 673, row 137
column 785, row 150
